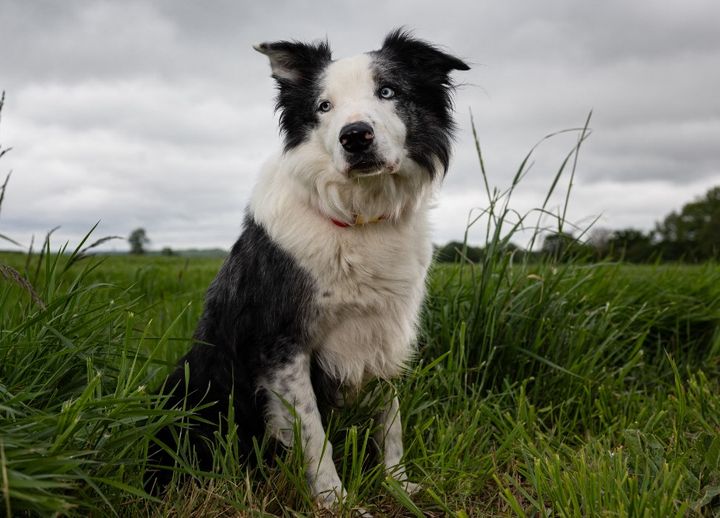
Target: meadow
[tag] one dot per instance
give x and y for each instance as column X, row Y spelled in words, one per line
column 539, row 390
column 556, row 387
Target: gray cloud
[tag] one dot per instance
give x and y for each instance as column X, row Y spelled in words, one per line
column 159, row 114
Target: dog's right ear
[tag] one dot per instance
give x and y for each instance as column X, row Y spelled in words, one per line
column 293, row 62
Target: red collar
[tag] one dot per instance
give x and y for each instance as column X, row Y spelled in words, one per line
column 358, row 221
column 339, row 223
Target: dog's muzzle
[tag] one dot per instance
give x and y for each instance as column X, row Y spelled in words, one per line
column 357, row 139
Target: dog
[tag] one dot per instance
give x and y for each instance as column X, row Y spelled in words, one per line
column 322, row 291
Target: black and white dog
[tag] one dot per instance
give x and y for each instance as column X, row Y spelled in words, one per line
column 322, row 291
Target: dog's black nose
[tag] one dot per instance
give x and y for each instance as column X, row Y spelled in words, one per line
column 357, row 137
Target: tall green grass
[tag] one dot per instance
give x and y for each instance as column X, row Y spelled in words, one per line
column 551, row 389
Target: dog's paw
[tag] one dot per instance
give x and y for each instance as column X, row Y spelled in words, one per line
column 330, row 501
column 355, row 512
column 329, row 498
column 410, row 488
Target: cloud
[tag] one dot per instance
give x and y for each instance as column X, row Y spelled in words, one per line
column 159, row 113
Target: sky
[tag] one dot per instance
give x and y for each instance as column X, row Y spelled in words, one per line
column 159, row 114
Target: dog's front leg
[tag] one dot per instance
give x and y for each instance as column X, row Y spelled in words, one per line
column 389, row 438
column 291, row 396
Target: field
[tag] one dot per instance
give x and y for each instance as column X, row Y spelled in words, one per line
column 546, row 386
column 552, row 389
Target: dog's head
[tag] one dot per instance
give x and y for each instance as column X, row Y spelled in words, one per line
column 387, row 112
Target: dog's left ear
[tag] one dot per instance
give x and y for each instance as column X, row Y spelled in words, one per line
column 293, row 61
column 421, row 55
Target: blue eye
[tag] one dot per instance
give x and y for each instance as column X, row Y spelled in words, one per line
column 324, row 106
column 386, row 92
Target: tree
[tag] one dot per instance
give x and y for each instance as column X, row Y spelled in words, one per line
column 562, row 246
column 631, row 245
column 138, row 239
column 694, row 233
column 599, row 241
column 452, row 252
column 557, row 244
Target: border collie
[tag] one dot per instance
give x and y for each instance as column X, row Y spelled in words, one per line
column 321, row 293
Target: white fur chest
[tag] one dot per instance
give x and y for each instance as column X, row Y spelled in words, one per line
column 371, row 286
column 370, row 281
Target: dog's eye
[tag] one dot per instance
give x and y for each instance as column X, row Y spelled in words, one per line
column 324, row 106
column 386, row 92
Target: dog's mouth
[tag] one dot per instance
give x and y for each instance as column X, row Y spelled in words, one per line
column 368, row 166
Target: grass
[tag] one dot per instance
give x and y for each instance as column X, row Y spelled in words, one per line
column 551, row 389
column 580, row 391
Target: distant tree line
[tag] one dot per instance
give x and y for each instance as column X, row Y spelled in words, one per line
column 691, row 235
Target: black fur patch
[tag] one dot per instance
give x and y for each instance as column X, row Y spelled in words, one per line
column 255, row 319
column 298, row 96
column 420, row 75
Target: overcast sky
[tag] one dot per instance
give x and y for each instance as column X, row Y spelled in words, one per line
column 158, row 114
